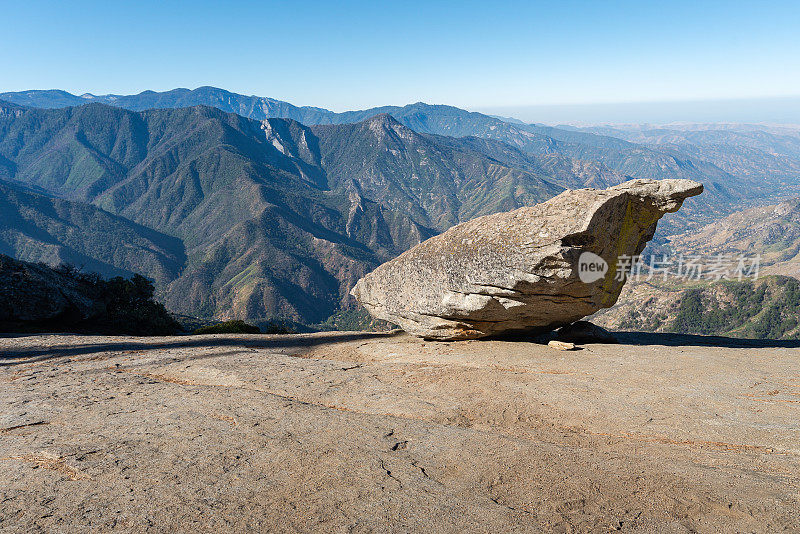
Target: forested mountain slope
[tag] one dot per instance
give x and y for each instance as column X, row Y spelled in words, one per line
column 276, row 219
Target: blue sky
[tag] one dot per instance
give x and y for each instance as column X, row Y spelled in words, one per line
column 351, row 54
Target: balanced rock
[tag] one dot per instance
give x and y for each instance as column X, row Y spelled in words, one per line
column 529, row 270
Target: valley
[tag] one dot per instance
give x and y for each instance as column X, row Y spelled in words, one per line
column 766, row 307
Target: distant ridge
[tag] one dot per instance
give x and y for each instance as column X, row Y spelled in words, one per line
column 778, row 109
column 253, row 107
column 620, row 157
column 49, row 98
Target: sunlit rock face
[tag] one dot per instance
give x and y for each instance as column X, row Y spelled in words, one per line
column 520, row 271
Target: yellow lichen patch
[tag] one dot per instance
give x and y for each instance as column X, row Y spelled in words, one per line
column 171, row 379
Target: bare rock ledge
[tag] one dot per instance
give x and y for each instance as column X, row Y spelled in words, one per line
column 518, row 271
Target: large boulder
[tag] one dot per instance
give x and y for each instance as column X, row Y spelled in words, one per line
column 519, row 271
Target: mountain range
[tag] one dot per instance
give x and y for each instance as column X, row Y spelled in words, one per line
column 252, row 208
column 234, row 217
column 611, row 156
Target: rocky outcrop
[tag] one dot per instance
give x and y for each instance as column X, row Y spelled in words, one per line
column 519, row 271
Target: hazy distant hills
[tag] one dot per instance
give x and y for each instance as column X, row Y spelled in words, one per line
column 246, row 219
column 252, row 107
column 777, row 110
column 769, row 155
column 624, row 157
column 46, row 98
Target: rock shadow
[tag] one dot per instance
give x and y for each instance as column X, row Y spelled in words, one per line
column 693, row 340
column 35, row 354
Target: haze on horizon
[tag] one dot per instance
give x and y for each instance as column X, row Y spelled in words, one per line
column 776, row 110
column 575, row 62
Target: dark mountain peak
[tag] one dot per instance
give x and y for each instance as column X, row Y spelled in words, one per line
column 94, row 108
column 97, row 105
column 200, row 110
